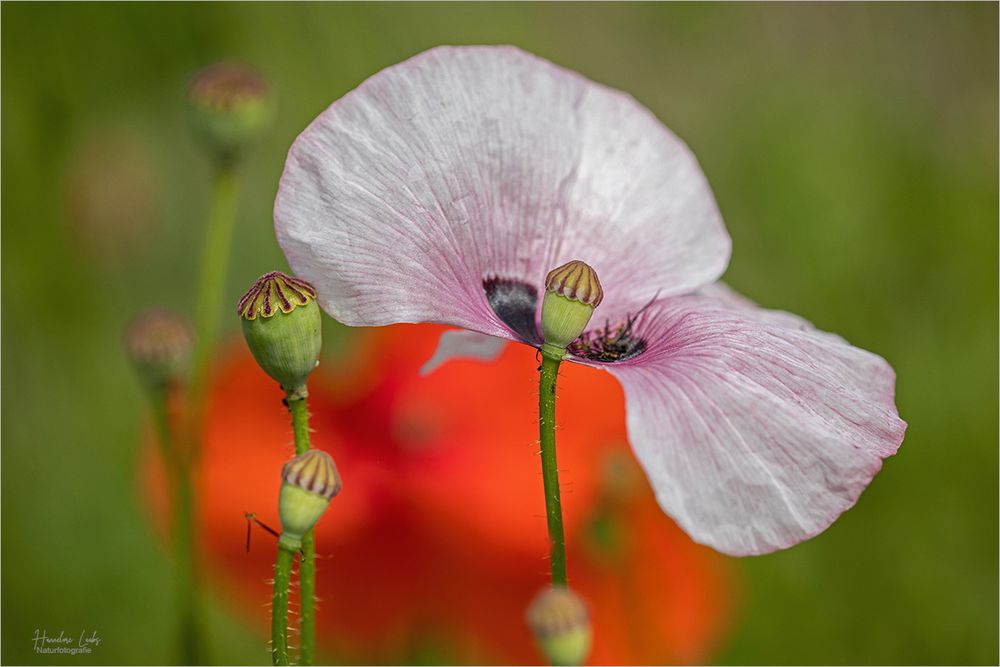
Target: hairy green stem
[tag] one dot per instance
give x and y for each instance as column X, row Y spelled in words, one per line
column 183, row 497
column 300, row 421
column 279, row 606
column 549, row 373
column 307, row 566
column 307, row 600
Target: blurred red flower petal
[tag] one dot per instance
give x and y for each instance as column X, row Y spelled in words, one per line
column 438, row 541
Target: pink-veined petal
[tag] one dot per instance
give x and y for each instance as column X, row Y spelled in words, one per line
column 756, row 432
column 462, row 344
column 465, row 163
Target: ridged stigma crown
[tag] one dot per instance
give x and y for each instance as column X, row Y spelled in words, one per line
column 575, row 280
column 313, row 471
column 272, row 292
column 560, row 621
column 308, row 482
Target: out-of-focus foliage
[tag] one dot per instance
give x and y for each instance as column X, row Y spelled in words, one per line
column 853, row 152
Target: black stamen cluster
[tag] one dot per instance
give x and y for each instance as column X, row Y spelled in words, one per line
column 609, row 345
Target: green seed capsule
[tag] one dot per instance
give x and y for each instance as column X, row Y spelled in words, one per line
column 281, row 323
column 158, row 343
column 309, row 481
column 559, row 619
column 229, row 104
column 572, row 292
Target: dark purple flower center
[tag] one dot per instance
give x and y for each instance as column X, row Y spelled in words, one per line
column 515, row 302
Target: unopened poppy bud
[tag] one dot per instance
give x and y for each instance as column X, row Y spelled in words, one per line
column 308, row 482
column 281, row 324
column 572, row 292
column 229, row 104
column 560, row 621
column 158, row 343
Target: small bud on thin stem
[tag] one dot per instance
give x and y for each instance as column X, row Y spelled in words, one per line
column 229, row 104
column 295, row 401
column 158, row 343
column 560, row 621
column 309, row 481
column 572, row 293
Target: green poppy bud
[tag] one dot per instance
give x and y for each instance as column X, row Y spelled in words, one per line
column 560, row 621
column 572, row 292
column 281, row 324
column 229, row 104
column 158, row 343
column 308, row 482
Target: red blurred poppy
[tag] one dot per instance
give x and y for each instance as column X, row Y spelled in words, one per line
column 437, row 542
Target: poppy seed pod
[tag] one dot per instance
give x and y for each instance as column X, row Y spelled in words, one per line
column 572, row 292
column 308, row 482
column 281, row 324
column 158, row 343
column 559, row 619
column 229, row 104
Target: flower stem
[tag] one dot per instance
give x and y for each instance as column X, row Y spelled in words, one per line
column 300, row 421
column 279, row 606
column 550, row 472
column 159, row 402
column 187, row 572
column 183, row 496
column 211, row 286
column 307, row 600
column 214, row 267
column 307, row 566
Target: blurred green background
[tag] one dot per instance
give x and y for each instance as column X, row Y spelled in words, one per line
column 853, row 152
